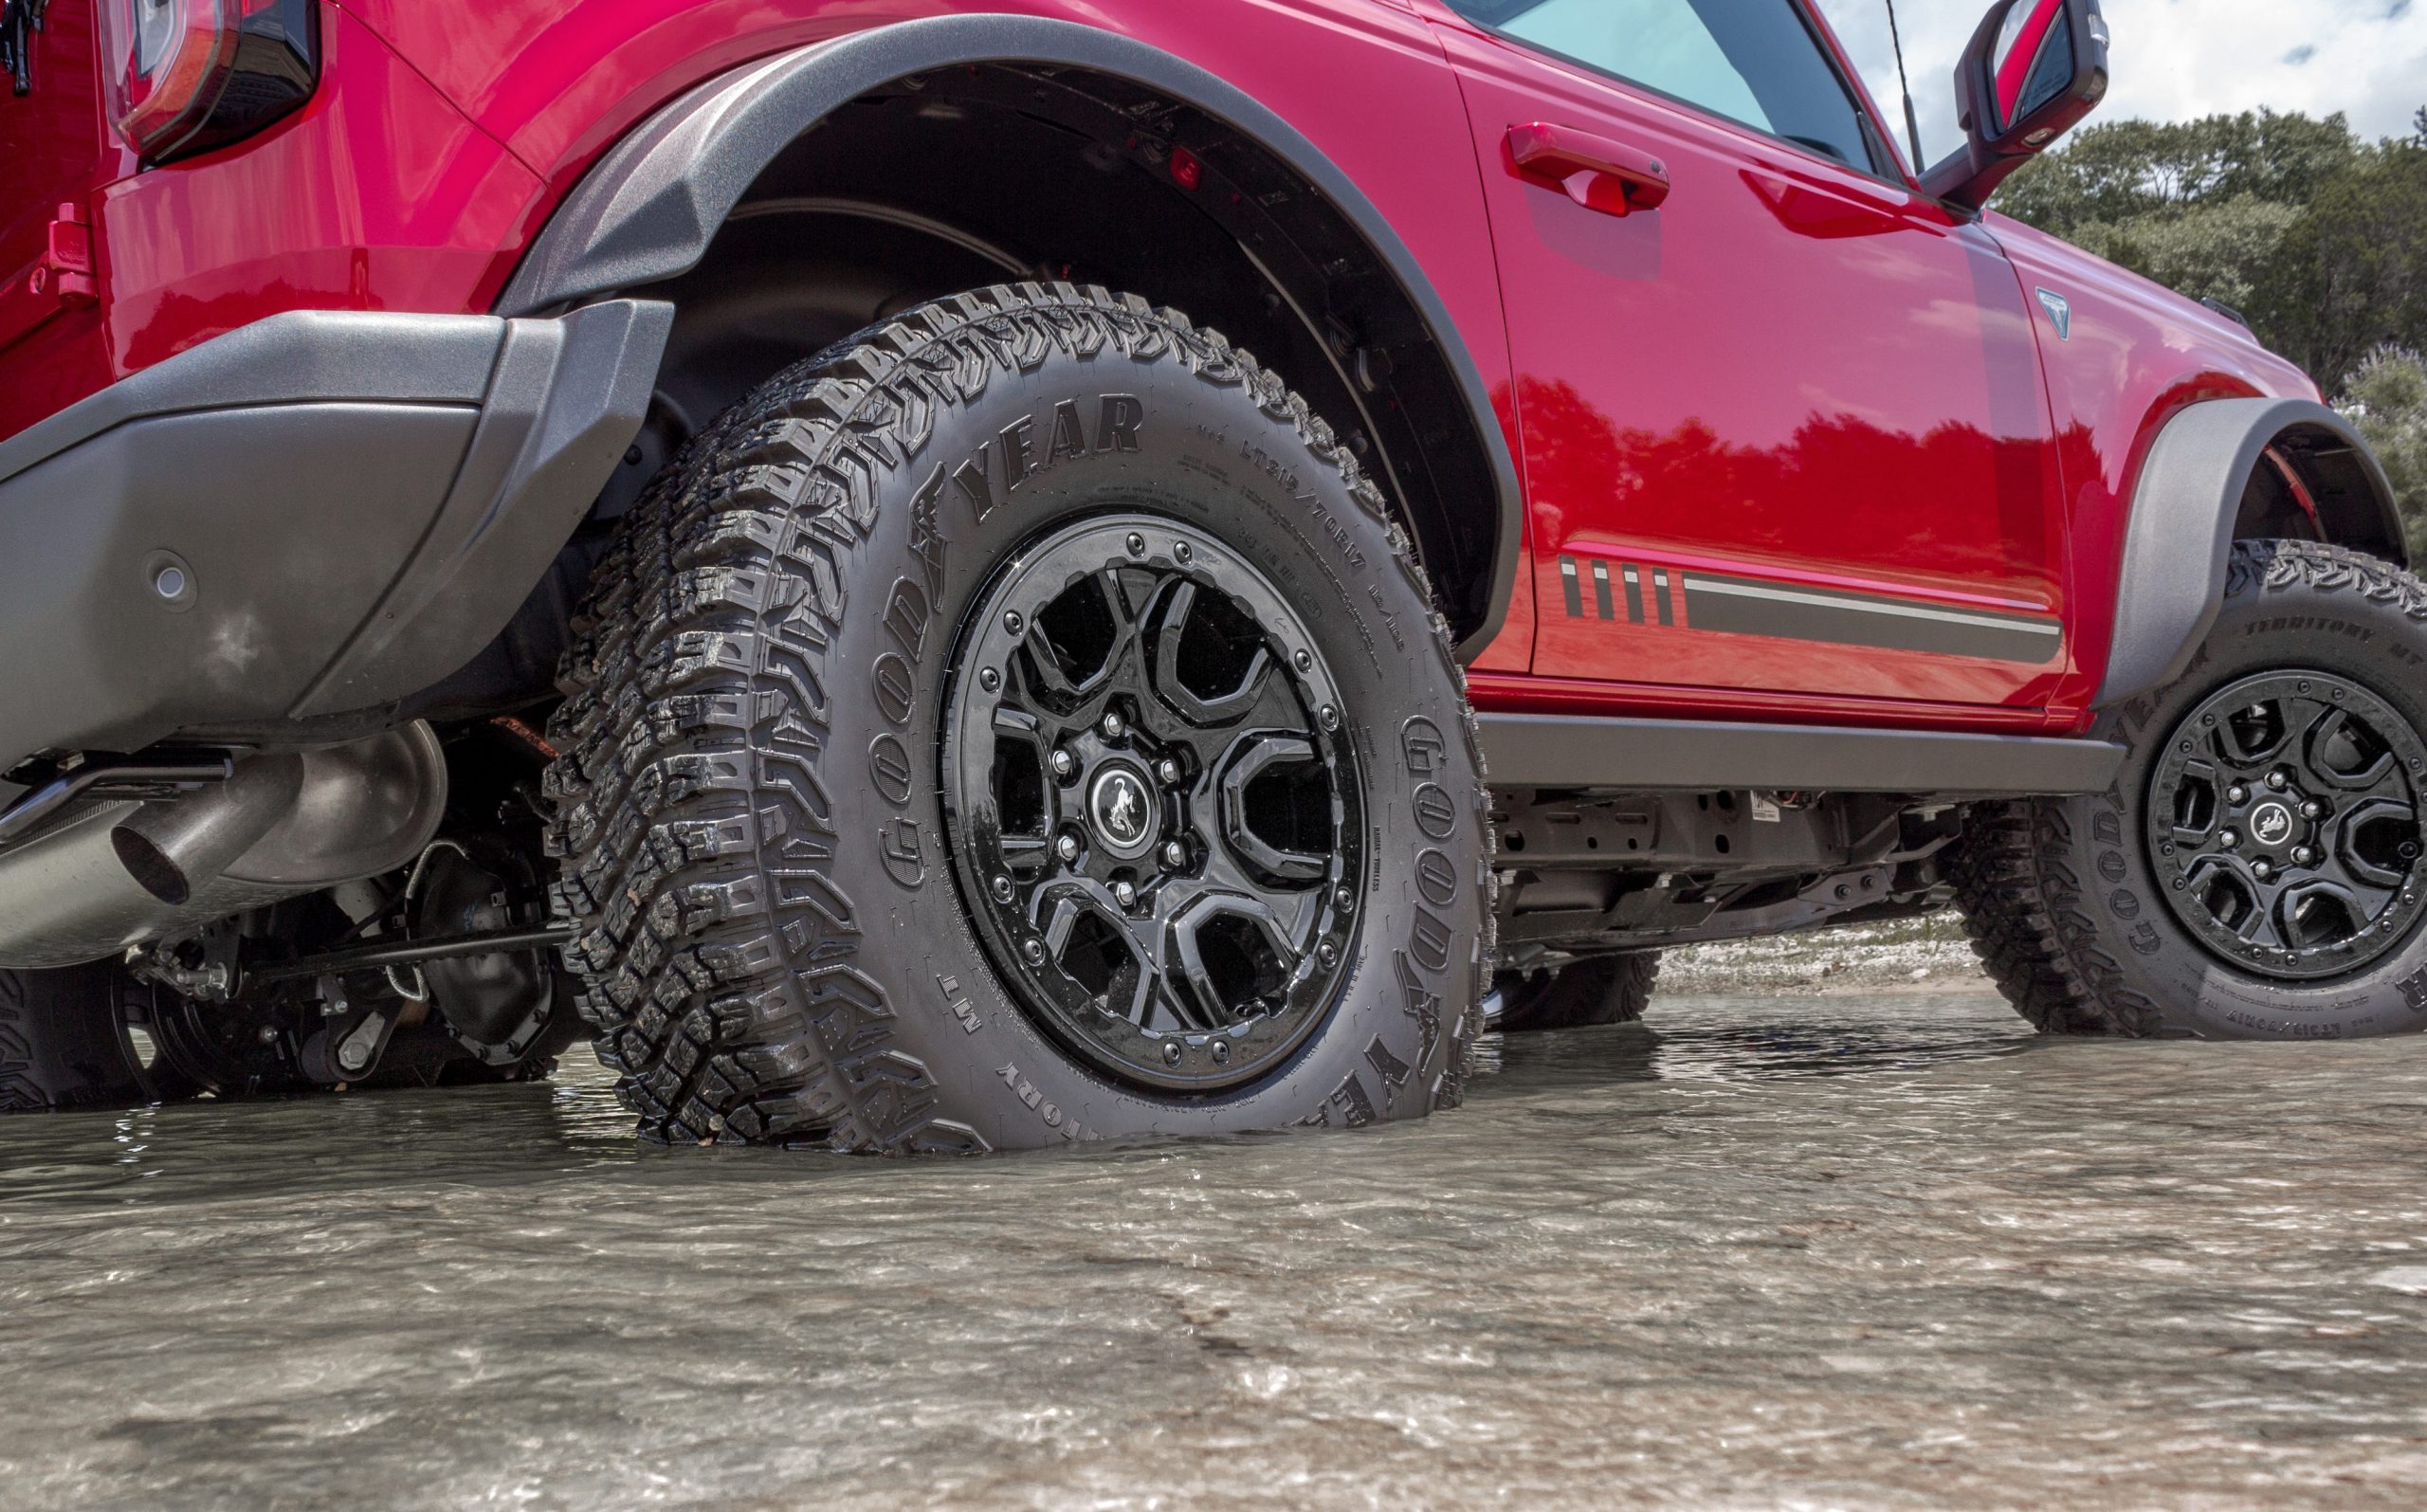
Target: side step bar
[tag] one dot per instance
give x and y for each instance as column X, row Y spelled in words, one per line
column 1566, row 751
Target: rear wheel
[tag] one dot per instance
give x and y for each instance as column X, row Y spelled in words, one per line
column 2254, row 873
column 1598, row 990
column 1020, row 724
column 65, row 1041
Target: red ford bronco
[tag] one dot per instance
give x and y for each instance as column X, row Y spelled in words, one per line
column 750, row 529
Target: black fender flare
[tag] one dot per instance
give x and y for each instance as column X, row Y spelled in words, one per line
column 649, row 208
column 2179, row 536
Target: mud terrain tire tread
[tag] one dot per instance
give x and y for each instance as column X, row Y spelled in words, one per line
column 2026, row 909
column 689, row 726
column 61, row 1046
column 1604, row 989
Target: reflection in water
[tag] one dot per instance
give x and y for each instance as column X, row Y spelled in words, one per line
column 1841, row 1252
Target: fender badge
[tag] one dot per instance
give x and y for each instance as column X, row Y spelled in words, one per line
column 2060, row 310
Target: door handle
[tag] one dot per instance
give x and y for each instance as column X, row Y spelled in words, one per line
column 1596, row 172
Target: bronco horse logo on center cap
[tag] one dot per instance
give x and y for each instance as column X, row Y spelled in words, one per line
column 1119, row 808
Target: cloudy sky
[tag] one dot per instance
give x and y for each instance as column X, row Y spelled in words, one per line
column 2174, row 59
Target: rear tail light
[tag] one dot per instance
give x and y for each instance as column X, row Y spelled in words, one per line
column 186, row 76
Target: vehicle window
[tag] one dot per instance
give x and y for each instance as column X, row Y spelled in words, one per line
column 1751, row 61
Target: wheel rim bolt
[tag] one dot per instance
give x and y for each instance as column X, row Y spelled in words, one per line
column 2277, row 780
column 2236, row 794
column 1330, row 718
column 1035, row 950
column 1137, row 544
column 1305, row 659
column 1175, row 854
column 1112, row 725
column 1013, row 622
column 989, row 680
column 1171, row 1052
column 1184, row 552
column 1168, row 769
column 1065, row 763
column 1124, row 894
column 1002, row 889
column 2230, row 839
column 1329, row 954
column 1344, row 896
column 1066, row 848
column 1221, row 1052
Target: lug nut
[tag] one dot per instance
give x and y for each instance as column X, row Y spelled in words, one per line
column 1168, row 769
column 1065, row 763
column 1137, row 544
column 2236, row 794
column 2302, row 854
column 1002, row 888
column 1175, row 854
column 2230, row 839
column 1171, row 1052
column 1124, row 894
column 989, row 680
column 1112, row 725
column 1035, row 950
column 2277, row 780
column 2312, row 809
column 1066, row 848
column 2261, row 870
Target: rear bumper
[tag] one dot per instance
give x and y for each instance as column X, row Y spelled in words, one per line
column 320, row 512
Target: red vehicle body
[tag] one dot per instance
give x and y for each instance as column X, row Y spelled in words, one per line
column 1741, row 462
column 1917, row 432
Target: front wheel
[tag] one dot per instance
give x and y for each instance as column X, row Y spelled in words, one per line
column 2254, row 871
column 1019, row 725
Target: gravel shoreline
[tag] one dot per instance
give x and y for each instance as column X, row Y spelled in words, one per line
column 1918, row 955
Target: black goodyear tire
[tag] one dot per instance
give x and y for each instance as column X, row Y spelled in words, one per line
column 1598, row 990
column 64, row 1042
column 2253, row 874
column 782, row 836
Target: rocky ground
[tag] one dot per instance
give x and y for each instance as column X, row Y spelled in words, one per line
column 1916, row 955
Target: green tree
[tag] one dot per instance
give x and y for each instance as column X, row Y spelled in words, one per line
column 2386, row 398
column 2229, row 251
column 2351, row 275
column 2128, row 170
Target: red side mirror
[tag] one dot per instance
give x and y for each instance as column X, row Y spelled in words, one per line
column 2032, row 69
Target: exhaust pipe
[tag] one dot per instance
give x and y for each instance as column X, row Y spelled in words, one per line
column 283, row 824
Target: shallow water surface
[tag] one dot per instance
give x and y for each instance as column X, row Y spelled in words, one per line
column 1855, row 1252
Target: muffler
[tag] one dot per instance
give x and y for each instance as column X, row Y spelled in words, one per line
column 283, row 824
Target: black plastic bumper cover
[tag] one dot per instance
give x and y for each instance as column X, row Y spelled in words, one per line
column 320, row 512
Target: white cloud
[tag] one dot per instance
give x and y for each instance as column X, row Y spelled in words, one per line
column 2174, row 59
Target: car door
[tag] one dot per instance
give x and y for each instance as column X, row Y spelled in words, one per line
column 1783, row 418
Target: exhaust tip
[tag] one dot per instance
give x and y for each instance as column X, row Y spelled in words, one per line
column 151, row 867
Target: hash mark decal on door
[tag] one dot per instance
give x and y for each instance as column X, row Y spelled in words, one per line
column 1745, row 606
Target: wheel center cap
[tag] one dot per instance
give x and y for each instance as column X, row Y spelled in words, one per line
column 2270, row 824
column 1120, row 811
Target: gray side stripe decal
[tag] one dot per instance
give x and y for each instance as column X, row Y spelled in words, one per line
column 1747, row 608
column 1743, row 606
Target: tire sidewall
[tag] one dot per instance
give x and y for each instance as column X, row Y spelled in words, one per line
column 2269, row 622
column 1207, row 455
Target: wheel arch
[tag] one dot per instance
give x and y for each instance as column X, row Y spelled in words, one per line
column 2224, row 470
column 653, row 208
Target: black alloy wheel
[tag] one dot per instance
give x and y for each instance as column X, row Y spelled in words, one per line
column 1153, row 810
column 2285, row 817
